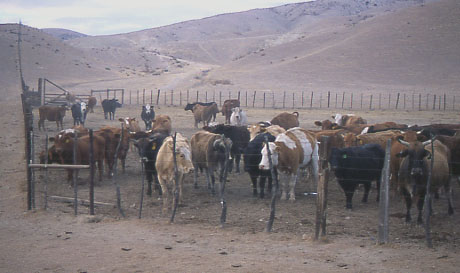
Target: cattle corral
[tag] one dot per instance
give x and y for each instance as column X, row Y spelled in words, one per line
column 248, row 214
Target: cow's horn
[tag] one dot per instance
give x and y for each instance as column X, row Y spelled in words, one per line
column 405, row 143
column 427, row 142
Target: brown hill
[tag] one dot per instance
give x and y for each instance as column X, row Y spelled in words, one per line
column 329, row 45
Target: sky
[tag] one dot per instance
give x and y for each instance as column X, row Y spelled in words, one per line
column 97, row 17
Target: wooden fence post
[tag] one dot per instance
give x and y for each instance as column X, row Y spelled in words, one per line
column 380, row 101
column 420, row 102
column 165, row 97
column 397, row 101
column 91, row 170
column 137, row 97
column 273, row 100
column 302, row 98
column 220, row 98
column 254, row 99
column 320, row 100
column 143, row 97
column 389, row 100
column 434, row 101
column 188, row 96
column 239, row 95
column 370, row 103
column 328, row 98
column 322, row 188
column 158, row 97
column 413, row 101
column 172, row 97
column 264, row 100
column 284, row 99
column 445, row 99
column 343, row 99
column 197, row 95
column 151, row 96
column 311, row 100
column 404, row 101
column 74, row 177
column 180, row 97
column 351, row 101
column 274, row 191
column 384, row 197
column 206, row 96
column 246, row 95
column 293, row 100
column 336, row 98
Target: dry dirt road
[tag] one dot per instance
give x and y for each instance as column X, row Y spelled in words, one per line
column 57, row 241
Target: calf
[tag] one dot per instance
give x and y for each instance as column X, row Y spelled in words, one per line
column 131, row 124
column 414, row 170
column 252, row 157
column 190, row 106
column 148, row 115
column 148, row 147
column 109, row 107
column 165, row 166
column 92, row 101
column 79, row 112
column 227, row 109
column 51, row 113
column 238, row 117
column 292, row 151
column 357, row 165
column 112, row 136
column 286, row 120
column 239, row 136
column 209, row 152
column 347, row 120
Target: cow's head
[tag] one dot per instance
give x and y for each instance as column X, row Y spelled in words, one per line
column 223, row 145
column 338, row 158
column 325, row 124
column 189, row 106
column 274, row 153
column 183, row 153
column 416, row 156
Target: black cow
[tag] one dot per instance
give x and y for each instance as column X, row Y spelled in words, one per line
column 79, row 111
column 148, row 147
column 252, row 157
column 109, row 107
column 190, row 106
column 357, row 165
column 148, row 115
column 239, row 135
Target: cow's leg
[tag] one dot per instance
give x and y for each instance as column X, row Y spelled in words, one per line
column 195, row 176
column 262, row 185
column 254, row 183
column 378, row 189
column 149, row 177
column 237, row 162
column 448, row 191
column 208, row 177
column 367, row 188
column 70, row 176
column 349, row 189
column 420, row 203
column 181, row 180
column 408, row 200
column 284, row 188
column 100, row 166
column 105, row 115
column 292, row 183
column 164, row 187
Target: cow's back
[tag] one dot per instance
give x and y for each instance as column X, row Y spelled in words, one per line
column 286, row 120
column 202, row 148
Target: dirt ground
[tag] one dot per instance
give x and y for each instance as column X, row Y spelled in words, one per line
column 57, row 241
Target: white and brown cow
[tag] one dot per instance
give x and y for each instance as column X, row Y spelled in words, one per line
column 292, row 151
column 286, row 120
column 165, row 166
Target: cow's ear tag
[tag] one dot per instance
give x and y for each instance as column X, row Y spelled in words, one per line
column 67, row 141
column 344, row 156
column 154, row 146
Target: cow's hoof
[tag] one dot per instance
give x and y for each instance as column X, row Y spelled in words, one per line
column 283, row 196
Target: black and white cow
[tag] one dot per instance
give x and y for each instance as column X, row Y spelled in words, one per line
column 148, row 147
column 252, row 157
column 109, row 107
column 148, row 115
column 239, row 135
column 357, row 165
column 79, row 111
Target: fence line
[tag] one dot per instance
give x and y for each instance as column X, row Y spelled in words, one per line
column 303, row 99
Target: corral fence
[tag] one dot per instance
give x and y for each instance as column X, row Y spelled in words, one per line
column 109, row 93
column 53, row 94
column 299, row 99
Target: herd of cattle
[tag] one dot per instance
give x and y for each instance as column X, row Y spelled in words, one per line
column 356, row 150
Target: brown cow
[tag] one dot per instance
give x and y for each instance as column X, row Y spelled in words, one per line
column 292, row 151
column 227, row 109
column 209, row 152
column 131, row 124
column 165, row 166
column 204, row 113
column 162, row 123
column 335, row 139
column 92, row 101
column 380, row 138
column 64, row 149
column 51, row 113
column 286, row 120
column 347, row 120
column 453, row 143
column 414, row 172
column 112, row 137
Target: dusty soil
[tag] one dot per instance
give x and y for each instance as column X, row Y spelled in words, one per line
column 57, row 241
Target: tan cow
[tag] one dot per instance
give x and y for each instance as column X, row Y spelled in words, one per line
column 380, row 138
column 51, row 113
column 165, row 166
column 292, row 151
column 263, row 127
column 204, row 113
column 209, row 153
column 131, row 124
column 162, row 123
column 286, row 120
column 347, row 120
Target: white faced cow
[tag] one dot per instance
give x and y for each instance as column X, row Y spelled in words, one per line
column 291, row 152
column 238, row 117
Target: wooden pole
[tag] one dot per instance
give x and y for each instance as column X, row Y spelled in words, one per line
column 180, row 97
column 151, row 96
column 74, row 176
column 389, row 101
column 122, row 96
column 311, row 100
column 434, row 101
column 223, row 180
column 254, row 99
column 293, row 100
column 351, row 101
column 273, row 100
column 397, row 101
column 361, row 100
column 172, row 97
column 336, row 99
column 445, row 102
column 220, row 98
column 264, row 100
column 137, row 98
column 328, row 98
column 32, row 159
column 197, row 95
column 320, row 100
column 206, row 96
column 188, row 96
column 429, row 242
column 383, row 229
column 246, row 98
column 129, row 97
column 413, row 101
column 165, row 97
column 420, row 102
column 370, row 103
column 46, row 173
column 322, row 188
column 302, row 98
column 274, row 175
column 158, row 97
column 143, row 97
column 92, row 169
column 239, row 95
column 176, row 181
column 343, row 99
column 114, row 176
column 284, row 99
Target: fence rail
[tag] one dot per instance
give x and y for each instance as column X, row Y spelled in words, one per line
column 301, row 99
